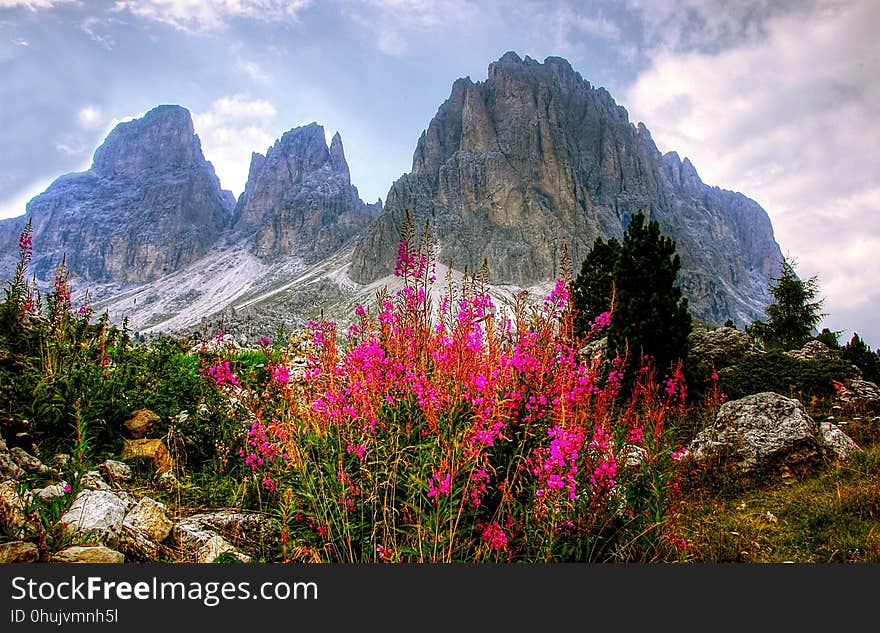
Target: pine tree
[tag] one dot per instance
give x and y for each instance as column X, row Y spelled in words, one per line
column 650, row 316
column 794, row 315
column 592, row 289
column 859, row 354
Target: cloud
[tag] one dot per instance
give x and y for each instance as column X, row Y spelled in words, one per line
column 232, row 128
column 787, row 118
column 90, row 117
column 198, row 15
column 33, row 5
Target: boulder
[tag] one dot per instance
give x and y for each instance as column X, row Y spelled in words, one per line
column 813, row 350
column 96, row 513
column 116, row 472
column 139, row 424
column 94, row 554
column 92, row 480
column 857, row 393
column 12, row 508
column 720, row 347
column 203, row 537
column 18, row 552
column 53, row 491
column 26, row 461
column 763, row 431
column 837, row 444
column 148, row 519
column 154, row 450
column 8, row 468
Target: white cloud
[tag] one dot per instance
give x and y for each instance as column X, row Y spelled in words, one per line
column 91, row 117
column 232, row 128
column 196, row 15
column 33, row 5
column 791, row 119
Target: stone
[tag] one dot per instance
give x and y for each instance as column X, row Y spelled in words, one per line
column 52, row 491
column 764, row 431
column 154, row 450
column 148, row 519
column 720, row 347
column 812, row 350
column 18, row 552
column 88, row 554
column 838, row 444
column 60, row 461
column 96, row 513
column 594, row 349
column 92, row 480
column 12, row 508
column 534, row 158
column 26, row 461
column 202, row 537
column 139, row 424
column 857, row 394
column 116, row 472
column 299, row 199
column 8, row 468
column 149, row 205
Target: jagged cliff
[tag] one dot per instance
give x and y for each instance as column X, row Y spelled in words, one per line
column 150, row 204
column 534, row 159
column 299, row 199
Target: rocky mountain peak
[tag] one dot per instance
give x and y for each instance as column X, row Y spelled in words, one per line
column 149, row 204
column 533, row 159
column 299, row 199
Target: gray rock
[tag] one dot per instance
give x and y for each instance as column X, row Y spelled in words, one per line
column 720, row 347
column 148, row 519
column 813, row 350
column 299, row 199
column 838, row 444
column 88, row 554
column 8, row 468
column 115, row 471
column 858, row 393
column 96, row 513
column 52, row 491
column 763, row 431
column 12, row 508
column 18, row 552
column 203, row 537
column 513, row 168
column 27, row 461
column 92, row 480
column 149, row 205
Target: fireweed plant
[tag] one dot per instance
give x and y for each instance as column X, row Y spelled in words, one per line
column 461, row 434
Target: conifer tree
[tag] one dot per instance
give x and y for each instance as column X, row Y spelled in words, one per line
column 859, row 354
column 650, row 316
column 795, row 313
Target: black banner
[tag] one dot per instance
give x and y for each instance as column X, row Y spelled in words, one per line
column 408, row 597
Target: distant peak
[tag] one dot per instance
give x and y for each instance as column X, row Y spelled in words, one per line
column 510, row 58
column 337, row 155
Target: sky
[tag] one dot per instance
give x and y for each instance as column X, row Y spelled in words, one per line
column 777, row 99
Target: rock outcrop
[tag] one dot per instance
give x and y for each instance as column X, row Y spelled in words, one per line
column 299, row 199
column 767, row 433
column 534, row 159
column 149, row 204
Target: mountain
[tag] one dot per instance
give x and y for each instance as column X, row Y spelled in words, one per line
column 299, row 199
column 534, row 159
column 150, row 204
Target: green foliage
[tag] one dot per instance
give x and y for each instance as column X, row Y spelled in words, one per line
column 859, row 354
column 794, row 314
column 829, row 338
column 649, row 316
column 592, row 290
column 778, row 372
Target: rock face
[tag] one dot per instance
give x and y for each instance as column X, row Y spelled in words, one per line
column 299, row 199
column 149, row 204
column 533, row 159
column 768, row 432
